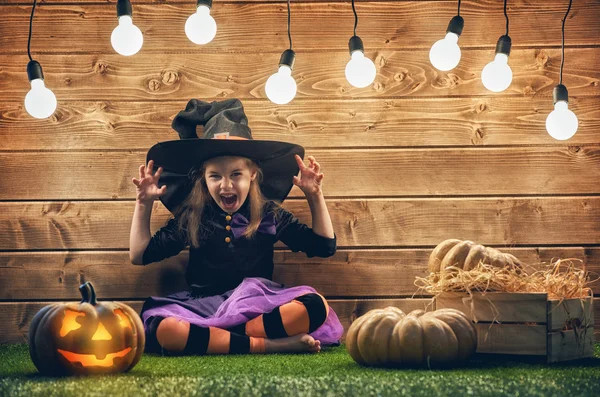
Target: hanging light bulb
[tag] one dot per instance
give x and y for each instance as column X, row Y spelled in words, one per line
column 201, row 27
column 496, row 76
column 562, row 123
column 40, row 102
column 445, row 53
column 126, row 38
column 281, row 86
column 360, row 70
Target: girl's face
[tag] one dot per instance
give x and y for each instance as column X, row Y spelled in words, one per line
column 228, row 180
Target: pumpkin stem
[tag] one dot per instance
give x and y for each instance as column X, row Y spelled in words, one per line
column 87, row 293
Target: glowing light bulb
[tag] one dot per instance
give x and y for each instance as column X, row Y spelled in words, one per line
column 201, row 27
column 496, row 76
column 561, row 123
column 445, row 53
column 126, row 38
column 40, row 102
column 360, row 70
column 281, row 87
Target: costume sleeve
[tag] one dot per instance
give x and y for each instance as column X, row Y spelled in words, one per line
column 166, row 242
column 299, row 237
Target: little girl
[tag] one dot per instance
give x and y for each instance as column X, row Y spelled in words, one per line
column 224, row 191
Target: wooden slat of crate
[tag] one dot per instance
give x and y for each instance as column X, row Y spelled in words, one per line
column 569, row 345
column 506, row 308
column 561, row 312
column 511, row 339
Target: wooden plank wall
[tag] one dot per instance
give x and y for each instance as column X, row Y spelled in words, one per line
column 418, row 157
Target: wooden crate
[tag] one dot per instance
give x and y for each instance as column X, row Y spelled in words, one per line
column 527, row 324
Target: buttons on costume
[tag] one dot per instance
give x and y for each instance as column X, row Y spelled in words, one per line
column 228, row 228
column 228, row 218
column 227, row 239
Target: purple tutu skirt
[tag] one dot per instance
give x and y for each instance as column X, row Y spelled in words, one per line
column 253, row 297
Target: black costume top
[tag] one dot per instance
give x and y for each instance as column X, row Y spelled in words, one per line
column 222, row 261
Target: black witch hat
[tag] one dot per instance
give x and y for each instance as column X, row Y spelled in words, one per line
column 226, row 133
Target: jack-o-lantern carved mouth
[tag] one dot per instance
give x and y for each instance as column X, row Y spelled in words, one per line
column 90, row 360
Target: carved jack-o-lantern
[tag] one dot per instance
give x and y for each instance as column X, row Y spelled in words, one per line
column 86, row 337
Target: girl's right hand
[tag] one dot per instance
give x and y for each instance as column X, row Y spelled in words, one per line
column 147, row 185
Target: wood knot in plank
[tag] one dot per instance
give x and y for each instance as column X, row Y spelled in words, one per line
column 100, row 68
column 377, row 86
column 400, row 76
column 67, row 81
column 292, row 125
column 481, row 107
column 528, row 90
column 170, row 77
column 541, row 58
column 154, row 85
column 574, row 149
column 380, row 60
column 477, row 138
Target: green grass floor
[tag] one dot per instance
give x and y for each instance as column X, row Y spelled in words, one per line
column 329, row 373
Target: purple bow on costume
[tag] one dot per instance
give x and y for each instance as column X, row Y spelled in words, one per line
column 239, row 223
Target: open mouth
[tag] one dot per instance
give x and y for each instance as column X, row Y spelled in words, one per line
column 229, row 200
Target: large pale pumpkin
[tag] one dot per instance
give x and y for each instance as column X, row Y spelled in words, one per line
column 389, row 337
column 466, row 255
column 87, row 337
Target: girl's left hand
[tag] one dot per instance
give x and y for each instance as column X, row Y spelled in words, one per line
column 310, row 177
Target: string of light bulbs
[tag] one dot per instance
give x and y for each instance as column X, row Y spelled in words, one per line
column 496, row 76
column 281, row 88
column 562, row 123
column 40, row 102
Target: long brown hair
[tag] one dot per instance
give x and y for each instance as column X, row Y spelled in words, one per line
column 190, row 212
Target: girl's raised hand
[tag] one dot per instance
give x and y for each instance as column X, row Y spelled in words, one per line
column 310, row 177
column 147, row 185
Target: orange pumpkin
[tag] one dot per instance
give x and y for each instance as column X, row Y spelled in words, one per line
column 388, row 337
column 87, row 337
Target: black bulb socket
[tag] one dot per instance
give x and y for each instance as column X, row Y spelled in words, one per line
column 456, row 25
column 288, row 58
column 124, row 8
column 560, row 93
column 355, row 44
column 207, row 3
column 503, row 45
column 34, row 71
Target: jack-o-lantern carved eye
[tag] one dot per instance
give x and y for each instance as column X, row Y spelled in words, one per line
column 70, row 322
column 123, row 319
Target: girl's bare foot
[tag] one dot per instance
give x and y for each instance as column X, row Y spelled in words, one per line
column 302, row 343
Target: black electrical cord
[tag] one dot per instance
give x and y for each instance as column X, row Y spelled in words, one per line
column 458, row 8
column 30, row 28
column 562, row 57
column 355, row 17
column 289, row 34
column 506, row 16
